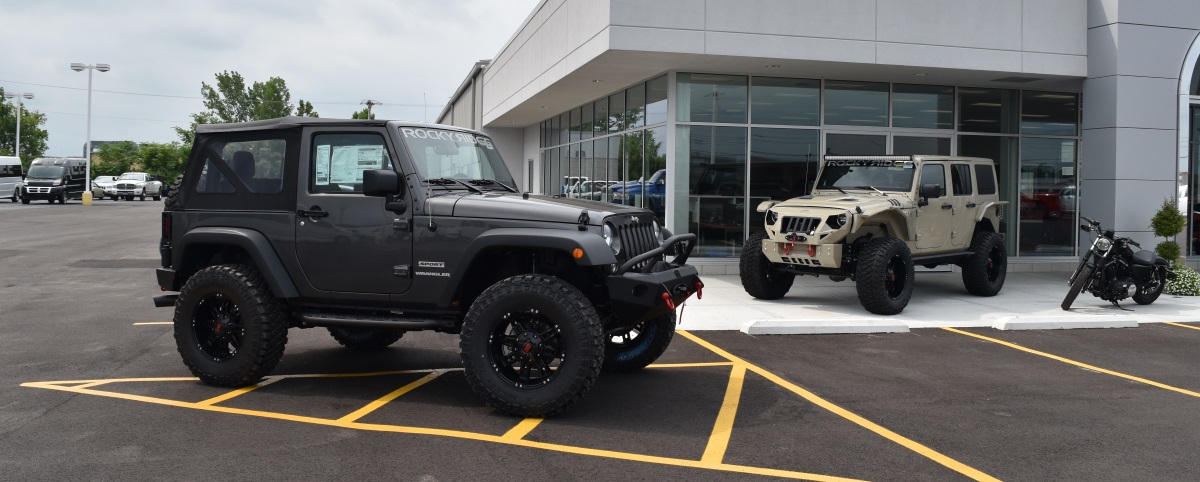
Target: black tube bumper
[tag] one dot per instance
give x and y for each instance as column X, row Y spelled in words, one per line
column 658, row 288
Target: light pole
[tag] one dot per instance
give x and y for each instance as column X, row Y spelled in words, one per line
column 370, row 103
column 18, row 96
column 87, row 180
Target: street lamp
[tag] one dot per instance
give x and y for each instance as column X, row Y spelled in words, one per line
column 18, row 96
column 87, row 182
column 370, row 103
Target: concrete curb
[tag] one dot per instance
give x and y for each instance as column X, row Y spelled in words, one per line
column 824, row 327
column 1063, row 322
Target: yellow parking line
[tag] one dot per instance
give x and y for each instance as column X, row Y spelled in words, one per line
column 848, row 415
column 690, row 365
column 522, row 429
column 1183, row 325
column 154, row 323
column 371, row 407
column 241, row 391
column 447, row 433
column 718, row 441
column 1078, row 364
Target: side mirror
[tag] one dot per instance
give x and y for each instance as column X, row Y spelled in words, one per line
column 661, row 182
column 931, row 191
column 380, row 182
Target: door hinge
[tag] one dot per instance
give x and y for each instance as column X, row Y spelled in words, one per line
column 400, row 271
column 402, row 225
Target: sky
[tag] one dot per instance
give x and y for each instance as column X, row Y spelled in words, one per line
column 409, row 54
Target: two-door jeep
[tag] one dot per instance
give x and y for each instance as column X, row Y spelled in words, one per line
column 375, row 228
column 871, row 218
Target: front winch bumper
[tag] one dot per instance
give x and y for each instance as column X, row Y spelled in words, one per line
column 655, row 290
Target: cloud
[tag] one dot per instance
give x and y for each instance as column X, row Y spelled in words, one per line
column 331, row 53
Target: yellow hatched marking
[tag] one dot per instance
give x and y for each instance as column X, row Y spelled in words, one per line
column 1183, row 325
column 691, row 365
column 522, row 429
column 444, row 433
column 848, row 415
column 718, row 441
column 154, row 323
column 1078, row 364
column 235, row 393
column 377, row 404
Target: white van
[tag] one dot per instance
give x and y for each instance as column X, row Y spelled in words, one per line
column 11, row 176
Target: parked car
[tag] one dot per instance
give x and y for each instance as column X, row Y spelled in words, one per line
column 101, row 185
column 11, row 176
column 54, row 179
column 136, row 184
column 654, row 191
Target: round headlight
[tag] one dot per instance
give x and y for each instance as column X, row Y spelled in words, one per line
column 658, row 234
column 1103, row 244
column 772, row 217
column 836, row 222
column 610, row 238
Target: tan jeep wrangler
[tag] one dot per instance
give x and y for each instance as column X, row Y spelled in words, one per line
column 871, row 218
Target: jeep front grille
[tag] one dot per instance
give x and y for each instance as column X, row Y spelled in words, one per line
column 636, row 237
column 792, row 224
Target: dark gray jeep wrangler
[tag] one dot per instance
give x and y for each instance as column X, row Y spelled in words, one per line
column 375, row 228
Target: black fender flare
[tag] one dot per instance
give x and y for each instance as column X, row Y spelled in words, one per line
column 254, row 243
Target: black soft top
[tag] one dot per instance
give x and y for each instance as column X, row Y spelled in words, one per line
column 297, row 121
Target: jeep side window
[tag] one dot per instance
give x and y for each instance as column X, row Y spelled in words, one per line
column 960, row 175
column 338, row 161
column 258, row 163
column 934, row 174
column 987, row 182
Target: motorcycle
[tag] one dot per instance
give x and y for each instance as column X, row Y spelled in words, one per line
column 1112, row 271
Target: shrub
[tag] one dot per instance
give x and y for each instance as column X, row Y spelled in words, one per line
column 1168, row 222
column 1186, row 282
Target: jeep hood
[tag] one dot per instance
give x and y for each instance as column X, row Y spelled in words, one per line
column 830, row 203
column 497, row 205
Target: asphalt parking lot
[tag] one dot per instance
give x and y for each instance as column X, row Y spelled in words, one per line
column 91, row 387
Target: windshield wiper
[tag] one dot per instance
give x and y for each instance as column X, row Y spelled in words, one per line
column 843, row 191
column 489, row 182
column 871, row 188
column 445, row 181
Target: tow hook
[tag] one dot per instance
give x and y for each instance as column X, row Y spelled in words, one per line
column 699, row 290
column 667, row 298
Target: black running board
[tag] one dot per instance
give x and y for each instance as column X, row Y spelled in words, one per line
column 949, row 258
column 375, row 321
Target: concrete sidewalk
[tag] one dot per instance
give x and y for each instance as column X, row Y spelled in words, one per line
column 818, row 305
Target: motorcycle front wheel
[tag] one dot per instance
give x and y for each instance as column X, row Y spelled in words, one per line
column 1081, row 279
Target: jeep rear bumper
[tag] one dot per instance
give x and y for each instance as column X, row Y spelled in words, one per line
column 656, row 290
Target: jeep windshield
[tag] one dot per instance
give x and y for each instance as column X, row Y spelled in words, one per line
column 456, row 160
column 867, row 174
column 45, row 172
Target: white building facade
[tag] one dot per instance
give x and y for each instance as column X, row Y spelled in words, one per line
column 700, row 109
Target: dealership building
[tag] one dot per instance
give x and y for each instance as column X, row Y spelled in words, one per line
column 701, row 109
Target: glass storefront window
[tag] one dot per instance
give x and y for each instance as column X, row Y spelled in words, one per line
column 600, row 119
column 616, row 167
column 635, row 106
column 1194, row 210
column 656, row 101
column 712, row 98
column 575, row 122
column 616, row 106
column 923, row 106
column 856, row 103
column 716, row 189
column 910, row 145
column 1049, row 114
column 601, row 166
column 789, row 102
column 855, row 144
column 987, row 110
column 635, row 164
column 554, row 132
column 555, row 183
column 564, row 128
column 654, row 188
column 585, row 122
column 1047, row 189
column 783, row 165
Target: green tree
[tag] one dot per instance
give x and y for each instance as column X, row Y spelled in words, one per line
column 163, row 160
column 231, row 100
column 363, row 114
column 114, row 159
column 33, row 136
column 1168, row 222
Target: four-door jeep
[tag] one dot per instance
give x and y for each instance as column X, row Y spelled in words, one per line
column 871, row 218
column 375, row 228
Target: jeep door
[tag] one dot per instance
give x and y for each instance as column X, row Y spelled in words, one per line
column 346, row 241
column 934, row 219
column 965, row 204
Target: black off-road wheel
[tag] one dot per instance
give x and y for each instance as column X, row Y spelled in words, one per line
column 229, row 328
column 170, row 194
column 983, row 273
column 532, row 345
column 631, row 349
column 1145, row 296
column 758, row 278
column 365, row 338
column 884, row 276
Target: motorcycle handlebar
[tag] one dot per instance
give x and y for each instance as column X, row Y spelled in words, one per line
column 1089, row 221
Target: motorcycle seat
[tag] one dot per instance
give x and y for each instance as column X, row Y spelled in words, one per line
column 1148, row 258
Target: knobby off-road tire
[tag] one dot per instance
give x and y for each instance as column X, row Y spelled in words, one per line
column 758, row 279
column 531, row 345
column 365, row 338
column 1148, row 296
column 229, row 328
column 984, row 272
column 170, row 194
column 632, row 349
column 884, row 276
column 1085, row 273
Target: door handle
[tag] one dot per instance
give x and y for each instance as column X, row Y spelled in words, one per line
column 971, row 205
column 947, row 206
column 315, row 212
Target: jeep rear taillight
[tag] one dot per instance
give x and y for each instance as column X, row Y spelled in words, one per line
column 166, row 225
